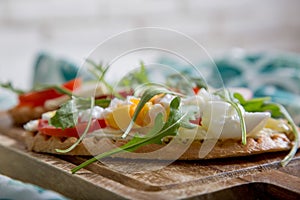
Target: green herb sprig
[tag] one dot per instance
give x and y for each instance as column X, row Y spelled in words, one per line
column 57, row 88
column 148, row 94
column 276, row 110
column 99, row 71
column 10, row 87
column 259, row 105
column 295, row 130
column 136, row 78
column 155, row 135
column 83, row 134
column 67, row 115
column 177, row 119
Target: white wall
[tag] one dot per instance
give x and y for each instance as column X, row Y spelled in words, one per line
column 71, row 28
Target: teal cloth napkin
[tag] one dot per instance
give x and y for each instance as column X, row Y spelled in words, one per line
column 49, row 69
column 276, row 75
column 13, row 189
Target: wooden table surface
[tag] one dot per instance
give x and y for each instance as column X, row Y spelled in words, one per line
column 253, row 177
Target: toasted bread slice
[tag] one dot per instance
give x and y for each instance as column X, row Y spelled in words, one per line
column 24, row 114
column 94, row 145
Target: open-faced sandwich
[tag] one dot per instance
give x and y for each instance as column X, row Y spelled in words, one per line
column 231, row 125
column 43, row 98
column 32, row 104
column 199, row 124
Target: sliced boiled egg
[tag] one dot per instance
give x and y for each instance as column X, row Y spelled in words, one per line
column 119, row 116
column 222, row 121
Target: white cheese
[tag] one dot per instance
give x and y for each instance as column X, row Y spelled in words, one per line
column 87, row 90
column 48, row 115
column 219, row 119
column 97, row 113
column 165, row 100
column 31, row 125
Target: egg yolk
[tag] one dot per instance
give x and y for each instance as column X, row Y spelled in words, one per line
column 142, row 119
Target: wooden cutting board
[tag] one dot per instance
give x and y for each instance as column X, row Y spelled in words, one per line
column 253, row 177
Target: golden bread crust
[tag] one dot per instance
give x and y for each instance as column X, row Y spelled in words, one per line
column 223, row 148
column 24, row 114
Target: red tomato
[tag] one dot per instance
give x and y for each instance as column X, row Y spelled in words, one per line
column 196, row 89
column 196, row 121
column 76, row 131
column 38, row 98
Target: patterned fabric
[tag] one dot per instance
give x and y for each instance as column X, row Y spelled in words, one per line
column 47, row 70
column 276, row 75
column 13, row 189
column 52, row 70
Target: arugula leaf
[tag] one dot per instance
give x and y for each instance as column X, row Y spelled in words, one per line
column 10, row 87
column 177, row 119
column 57, row 88
column 136, row 78
column 83, row 134
column 67, row 115
column 99, row 71
column 155, row 135
column 276, row 110
column 273, row 108
column 130, row 146
column 259, row 105
column 148, row 94
column 104, row 103
column 141, row 76
column 295, row 130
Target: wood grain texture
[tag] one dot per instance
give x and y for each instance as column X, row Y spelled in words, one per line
column 251, row 177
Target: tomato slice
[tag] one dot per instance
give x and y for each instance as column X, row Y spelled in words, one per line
column 196, row 90
column 38, row 98
column 197, row 121
column 76, row 131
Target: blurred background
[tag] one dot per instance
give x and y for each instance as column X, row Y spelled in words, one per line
column 70, row 29
column 255, row 43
